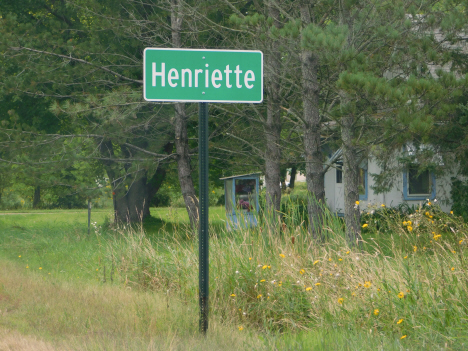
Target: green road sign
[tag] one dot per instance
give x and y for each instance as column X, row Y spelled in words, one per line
column 199, row 75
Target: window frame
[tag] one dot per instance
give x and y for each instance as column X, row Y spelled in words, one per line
column 416, row 197
column 366, row 186
column 339, row 168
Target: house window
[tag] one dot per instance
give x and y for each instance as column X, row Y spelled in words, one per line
column 418, row 185
column 362, row 181
column 362, row 185
column 339, row 172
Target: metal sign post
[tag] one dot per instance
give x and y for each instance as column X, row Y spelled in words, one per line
column 203, row 237
column 202, row 75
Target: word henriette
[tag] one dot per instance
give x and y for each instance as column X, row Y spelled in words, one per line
column 186, row 76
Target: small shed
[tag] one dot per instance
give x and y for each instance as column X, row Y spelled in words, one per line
column 241, row 199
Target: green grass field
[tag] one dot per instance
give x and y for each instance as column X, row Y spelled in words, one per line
column 135, row 288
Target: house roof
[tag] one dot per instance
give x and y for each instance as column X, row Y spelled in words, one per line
column 242, row 176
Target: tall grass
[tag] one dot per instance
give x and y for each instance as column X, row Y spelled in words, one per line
column 402, row 284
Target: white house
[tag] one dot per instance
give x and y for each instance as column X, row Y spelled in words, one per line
column 409, row 187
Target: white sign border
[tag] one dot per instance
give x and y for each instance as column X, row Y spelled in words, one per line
column 213, row 101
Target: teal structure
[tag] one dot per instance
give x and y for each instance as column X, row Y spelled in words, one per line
column 241, row 200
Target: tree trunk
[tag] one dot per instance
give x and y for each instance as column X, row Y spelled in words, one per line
column 130, row 204
column 273, row 122
column 351, row 182
column 37, row 197
column 292, row 177
column 283, row 175
column 312, row 129
column 184, row 168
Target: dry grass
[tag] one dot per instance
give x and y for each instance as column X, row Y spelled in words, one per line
column 12, row 340
column 38, row 313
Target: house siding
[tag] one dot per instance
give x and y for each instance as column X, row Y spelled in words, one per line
column 335, row 196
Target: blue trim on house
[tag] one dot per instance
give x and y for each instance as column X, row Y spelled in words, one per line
column 408, row 197
column 257, row 184
column 364, row 197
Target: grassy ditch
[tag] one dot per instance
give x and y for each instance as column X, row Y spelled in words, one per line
column 271, row 287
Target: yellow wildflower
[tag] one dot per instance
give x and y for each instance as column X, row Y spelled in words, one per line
column 265, row 267
column 330, row 259
column 317, row 284
column 409, row 223
column 365, row 225
column 453, row 268
column 315, row 262
column 410, row 228
column 405, row 257
column 367, row 284
column 400, row 321
column 309, row 288
column 40, row 267
column 454, row 251
column 340, row 300
column 261, row 281
column 269, row 267
column 282, row 256
column 415, row 248
column 27, row 266
column 250, row 258
column 340, row 259
column 401, row 295
column 405, row 223
column 437, row 236
column 383, row 205
column 427, row 213
column 302, row 271
column 259, row 296
column 376, row 312
column 233, row 295
column 347, row 252
column 404, row 336
column 460, row 241
column 19, row 256
column 241, row 328
column 451, row 212
column 357, row 202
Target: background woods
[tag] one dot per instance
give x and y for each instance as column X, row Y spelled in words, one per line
column 348, row 79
